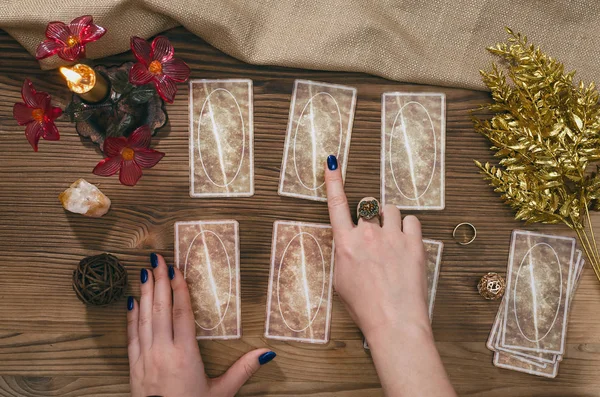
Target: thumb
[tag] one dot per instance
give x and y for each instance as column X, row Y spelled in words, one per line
column 231, row 381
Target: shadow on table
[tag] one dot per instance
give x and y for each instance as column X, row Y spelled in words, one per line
column 91, row 232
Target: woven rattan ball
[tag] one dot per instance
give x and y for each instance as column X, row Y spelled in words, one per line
column 491, row 286
column 99, row 279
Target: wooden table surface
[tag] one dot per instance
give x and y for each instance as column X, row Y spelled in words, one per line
column 52, row 345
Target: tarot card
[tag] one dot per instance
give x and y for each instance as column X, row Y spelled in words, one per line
column 433, row 251
column 221, row 138
column 320, row 124
column 300, row 282
column 413, row 136
column 207, row 252
column 537, row 292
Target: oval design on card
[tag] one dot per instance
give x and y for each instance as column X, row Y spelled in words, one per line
column 413, row 150
column 220, row 123
column 318, row 134
column 298, row 306
column 207, row 260
column 541, row 261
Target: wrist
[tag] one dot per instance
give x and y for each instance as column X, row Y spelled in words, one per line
column 409, row 332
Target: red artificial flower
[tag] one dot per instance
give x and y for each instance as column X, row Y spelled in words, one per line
column 156, row 64
column 128, row 156
column 38, row 114
column 68, row 41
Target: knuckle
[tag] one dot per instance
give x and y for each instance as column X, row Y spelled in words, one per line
column 179, row 284
column 158, row 360
column 248, row 370
column 343, row 251
column 144, row 291
column 176, row 359
column 132, row 339
column 334, row 177
column 145, row 320
column 131, row 322
column 181, row 313
column 370, row 234
column 137, row 372
column 160, row 306
column 160, row 276
column 337, row 201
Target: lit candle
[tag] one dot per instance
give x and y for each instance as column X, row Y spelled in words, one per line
column 92, row 87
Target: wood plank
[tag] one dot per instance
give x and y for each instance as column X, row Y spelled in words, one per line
column 51, row 344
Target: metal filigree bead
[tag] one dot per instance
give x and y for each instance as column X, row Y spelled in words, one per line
column 491, row 286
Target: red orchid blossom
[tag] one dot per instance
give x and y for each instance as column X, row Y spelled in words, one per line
column 38, row 114
column 128, row 156
column 156, row 64
column 68, row 41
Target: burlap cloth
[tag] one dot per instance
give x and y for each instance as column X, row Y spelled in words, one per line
column 438, row 42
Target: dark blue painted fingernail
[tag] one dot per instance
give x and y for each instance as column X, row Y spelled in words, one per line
column 171, row 272
column 130, row 303
column 332, row 162
column 266, row 357
column 154, row 260
column 144, row 276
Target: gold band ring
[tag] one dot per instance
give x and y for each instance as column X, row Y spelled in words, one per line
column 368, row 208
column 469, row 226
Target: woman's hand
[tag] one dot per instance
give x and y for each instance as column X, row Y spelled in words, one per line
column 164, row 358
column 379, row 264
column 380, row 276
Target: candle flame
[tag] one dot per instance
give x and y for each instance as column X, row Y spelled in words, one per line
column 71, row 75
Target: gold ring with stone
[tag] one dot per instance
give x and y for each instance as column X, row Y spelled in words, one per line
column 368, row 208
column 464, row 241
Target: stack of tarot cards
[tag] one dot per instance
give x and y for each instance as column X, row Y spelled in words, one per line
column 530, row 328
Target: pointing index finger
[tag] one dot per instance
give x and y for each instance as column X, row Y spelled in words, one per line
column 339, row 212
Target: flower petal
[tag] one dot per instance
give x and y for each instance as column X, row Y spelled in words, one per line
column 162, row 50
column 43, row 101
column 77, row 25
column 140, row 138
column 54, row 113
column 166, row 87
column 58, row 31
column 147, row 158
column 33, row 133
column 47, row 48
column 130, row 173
column 108, row 166
column 140, row 75
column 50, row 131
column 91, row 33
column 22, row 113
column 176, row 69
column 113, row 146
column 28, row 94
column 141, row 49
column 71, row 53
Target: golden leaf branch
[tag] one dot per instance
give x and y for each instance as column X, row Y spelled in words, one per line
column 545, row 131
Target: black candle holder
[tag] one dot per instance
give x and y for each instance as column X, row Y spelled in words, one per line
column 125, row 108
